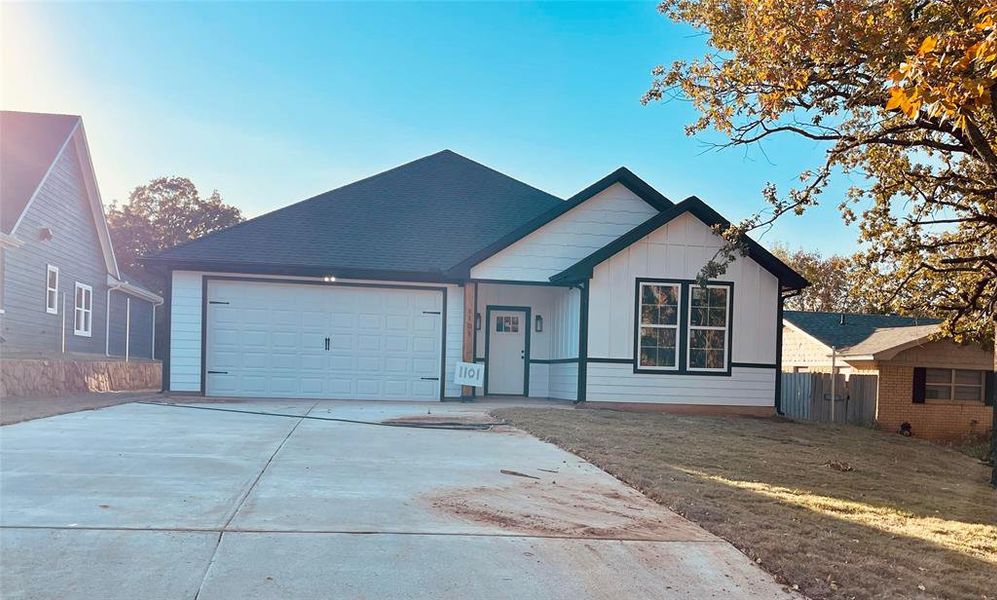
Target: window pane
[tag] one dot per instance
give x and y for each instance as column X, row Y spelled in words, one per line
column 968, row 392
column 718, row 296
column 938, row 392
column 52, row 279
column 514, row 324
column 700, row 297
column 657, row 347
column 718, row 317
column 965, row 377
column 707, row 348
column 938, row 375
column 699, row 316
column 498, row 324
column 659, row 305
column 79, row 297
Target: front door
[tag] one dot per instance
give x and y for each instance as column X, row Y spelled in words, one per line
column 507, row 347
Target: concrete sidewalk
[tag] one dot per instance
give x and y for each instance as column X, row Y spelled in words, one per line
column 169, row 502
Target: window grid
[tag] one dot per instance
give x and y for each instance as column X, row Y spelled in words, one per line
column 658, row 337
column 83, row 314
column 707, row 345
column 52, row 290
column 957, row 385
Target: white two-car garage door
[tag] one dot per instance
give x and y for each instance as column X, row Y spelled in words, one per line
column 322, row 341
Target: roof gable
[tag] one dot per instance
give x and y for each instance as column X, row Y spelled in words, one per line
column 581, row 270
column 846, row 330
column 621, row 176
column 30, row 143
column 419, row 218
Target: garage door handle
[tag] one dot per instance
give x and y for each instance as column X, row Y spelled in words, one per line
column 326, row 343
column 217, row 372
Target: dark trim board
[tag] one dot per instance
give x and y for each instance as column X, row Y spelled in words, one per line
column 513, row 282
column 583, row 269
column 526, row 351
column 205, row 279
column 583, row 341
column 630, row 361
column 552, row 361
column 682, row 339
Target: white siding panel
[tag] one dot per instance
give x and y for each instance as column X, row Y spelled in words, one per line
column 185, row 332
column 454, row 339
column 609, row 382
column 568, row 238
column 539, row 381
column 564, row 381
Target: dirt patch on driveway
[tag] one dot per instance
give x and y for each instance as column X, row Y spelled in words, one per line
column 549, row 507
column 445, row 419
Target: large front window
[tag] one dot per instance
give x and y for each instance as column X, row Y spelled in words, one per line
column 708, row 324
column 659, row 325
column 958, row 385
column 682, row 327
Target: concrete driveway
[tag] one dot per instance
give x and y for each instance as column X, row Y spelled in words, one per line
column 143, row 501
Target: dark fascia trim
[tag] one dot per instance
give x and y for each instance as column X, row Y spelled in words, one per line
column 528, row 311
column 514, row 282
column 212, row 266
column 629, row 361
column 622, row 175
column 582, row 270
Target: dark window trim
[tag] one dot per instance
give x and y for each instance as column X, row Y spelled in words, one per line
column 526, row 353
column 685, row 299
column 204, row 313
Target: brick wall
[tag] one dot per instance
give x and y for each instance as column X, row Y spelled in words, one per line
column 942, row 421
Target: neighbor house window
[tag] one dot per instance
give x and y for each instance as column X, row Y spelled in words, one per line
column 52, row 290
column 958, row 385
column 83, row 316
column 709, row 320
column 659, row 325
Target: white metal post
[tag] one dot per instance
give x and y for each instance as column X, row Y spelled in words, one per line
column 128, row 324
column 64, row 322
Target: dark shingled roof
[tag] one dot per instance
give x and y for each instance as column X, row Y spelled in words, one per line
column 29, row 144
column 828, row 328
column 419, row 218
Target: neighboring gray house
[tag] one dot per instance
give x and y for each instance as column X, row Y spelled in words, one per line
column 61, row 291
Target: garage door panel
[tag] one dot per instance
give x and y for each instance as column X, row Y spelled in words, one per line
column 270, row 337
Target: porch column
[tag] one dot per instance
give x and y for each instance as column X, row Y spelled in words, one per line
column 470, row 307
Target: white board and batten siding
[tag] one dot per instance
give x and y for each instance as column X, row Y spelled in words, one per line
column 678, row 250
column 558, row 307
column 185, row 327
column 568, row 238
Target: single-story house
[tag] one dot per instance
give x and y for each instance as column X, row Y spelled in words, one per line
column 62, row 295
column 943, row 390
column 377, row 289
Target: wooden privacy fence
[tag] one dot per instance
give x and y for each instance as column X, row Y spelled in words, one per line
column 807, row 396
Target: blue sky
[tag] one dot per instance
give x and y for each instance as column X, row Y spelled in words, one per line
column 273, row 103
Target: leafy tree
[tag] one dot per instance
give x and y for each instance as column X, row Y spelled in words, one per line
column 835, row 282
column 903, row 93
column 161, row 214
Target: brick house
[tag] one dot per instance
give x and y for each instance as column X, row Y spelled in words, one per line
column 944, row 390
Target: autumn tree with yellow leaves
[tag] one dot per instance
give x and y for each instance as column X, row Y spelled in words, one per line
column 904, row 95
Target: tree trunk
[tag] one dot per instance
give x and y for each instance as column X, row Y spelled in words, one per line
column 993, row 420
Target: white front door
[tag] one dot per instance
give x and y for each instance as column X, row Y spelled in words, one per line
column 283, row 340
column 506, row 369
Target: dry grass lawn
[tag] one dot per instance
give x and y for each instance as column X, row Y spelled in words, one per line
column 909, row 520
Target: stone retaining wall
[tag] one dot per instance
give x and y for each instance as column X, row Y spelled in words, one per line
column 27, row 377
